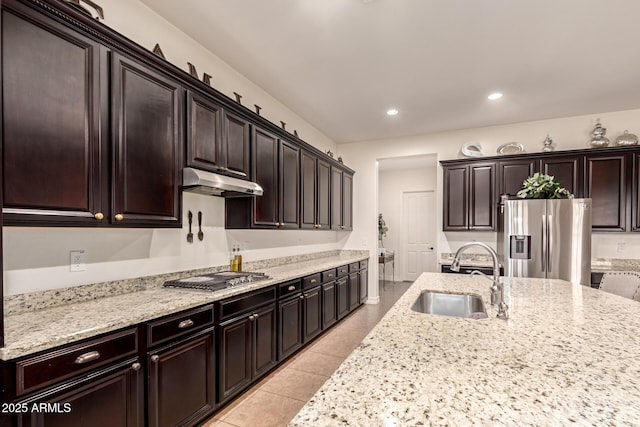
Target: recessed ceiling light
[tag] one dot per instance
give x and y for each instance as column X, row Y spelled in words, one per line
column 494, row 96
column 392, row 112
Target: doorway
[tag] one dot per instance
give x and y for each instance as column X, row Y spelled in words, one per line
column 419, row 234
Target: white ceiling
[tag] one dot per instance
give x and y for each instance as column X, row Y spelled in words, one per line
column 340, row 64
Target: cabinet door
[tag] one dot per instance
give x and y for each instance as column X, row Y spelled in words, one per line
column 342, row 297
column 605, row 183
column 54, row 133
column 329, row 316
column 110, row 397
column 354, row 291
column 312, row 309
column 456, row 188
column 289, row 183
column 147, row 145
column 347, row 201
column 336, row 199
column 235, row 144
column 635, row 209
column 289, row 326
column 234, row 353
column 324, row 195
column 308, row 190
column 264, row 340
column 204, row 133
column 363, row 278
column 482, row 200
column 182, row 381
column 511, row 174
column 567, row 170
column 265, row 172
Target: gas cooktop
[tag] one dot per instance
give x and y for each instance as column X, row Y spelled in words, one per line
column 216, row 281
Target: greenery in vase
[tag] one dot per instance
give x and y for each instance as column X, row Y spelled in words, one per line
column 541, row 186
column 382, row 227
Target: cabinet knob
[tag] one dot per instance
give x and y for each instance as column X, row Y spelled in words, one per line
column 301, row 297
column 253, row 316
column 319, row 225
column 99, row 216
column 291, row 288
column 155, row 358
column 119, row 217
column 136, row 366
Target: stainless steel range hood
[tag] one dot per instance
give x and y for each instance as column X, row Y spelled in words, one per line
column 213, row 184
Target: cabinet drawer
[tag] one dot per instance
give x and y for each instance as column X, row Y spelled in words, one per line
column 329, row 275
column 289, row 288
column 242, row 303
column 353, row 267
column 343, row 271
column 363, row 264
column 37, row 372
column 311, row 281
column 179, row 324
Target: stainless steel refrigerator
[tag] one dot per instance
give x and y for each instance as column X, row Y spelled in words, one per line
column 548, row 238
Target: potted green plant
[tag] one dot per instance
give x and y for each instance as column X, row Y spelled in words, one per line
column 541, row 186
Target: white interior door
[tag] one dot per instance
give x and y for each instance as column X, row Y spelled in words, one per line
column 419, row 243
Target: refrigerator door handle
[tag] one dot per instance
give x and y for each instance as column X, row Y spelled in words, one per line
column 550, row 243
column 543, row 246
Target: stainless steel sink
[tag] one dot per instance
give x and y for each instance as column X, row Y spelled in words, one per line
column 450, row 304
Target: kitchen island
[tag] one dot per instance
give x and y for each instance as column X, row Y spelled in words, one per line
column 566, row 356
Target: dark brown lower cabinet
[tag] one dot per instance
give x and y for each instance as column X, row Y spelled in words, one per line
column 246, row 350
column 290, row 325
column 354, row 291
column 342, row 297
column 363, row 279
column 109, row 397
column 329, row 315
column 181, row 388
column 312, row 309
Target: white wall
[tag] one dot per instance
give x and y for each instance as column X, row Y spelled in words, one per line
column 392, row 184
column 568, row 133
column 38, row 258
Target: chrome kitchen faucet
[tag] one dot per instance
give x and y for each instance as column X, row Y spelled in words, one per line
column 497, row 288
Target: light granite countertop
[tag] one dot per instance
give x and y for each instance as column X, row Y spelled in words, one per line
column 567, row 356
column 33, row 331
column 598, row 265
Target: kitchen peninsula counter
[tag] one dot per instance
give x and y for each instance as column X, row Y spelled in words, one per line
column 32, row 331
column 567, row 356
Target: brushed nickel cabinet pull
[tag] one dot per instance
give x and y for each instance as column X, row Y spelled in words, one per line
column 87, row 357
column 136, row 366
column 99, row 216
column 185, row 324
column 119, row 217
column 291, row 288
column 313, row 280
column 155, row 358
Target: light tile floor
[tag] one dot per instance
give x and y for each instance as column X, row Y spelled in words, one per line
column 278, row 397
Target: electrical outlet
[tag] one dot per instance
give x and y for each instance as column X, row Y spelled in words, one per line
column 76, row 261
column 621, row 246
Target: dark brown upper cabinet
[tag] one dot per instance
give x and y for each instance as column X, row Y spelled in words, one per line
column 511, row 174
column 635, row 200
column 605, row 181
column 469, row 197
column 68, row 164
column 567, row 170
column 217, row 140
column 147, row 142
column 275, row 166
column 341, row 199
column 54, row 131
column 315, row 179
